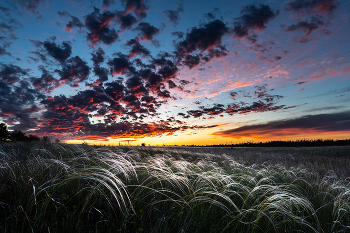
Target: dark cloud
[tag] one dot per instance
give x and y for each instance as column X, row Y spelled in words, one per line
column 252, row 38
column 266, row 102
column 147, row 31
column 215, row 13
column 107, row 4
column 11, row 73
column 237, row 108
column 60, row 53
column 8, row 24
column 17, row 103
column 73, row 23
column 115, row 90
column 220, row 51
column 62, row 118
column 202, row 39
column 191, row 61
column 137, row 49
column 138, row 7
column 321, row 123
column 261, row 92
column 299, row 83
column 102, row 74
column 253, row 18
column 74, row 71
column 63, row 13
column 46, row 82
column 167, row 68
column 3, row 49
column 126, row 21
column 312, row 6
column 99, row 27
column 174, row 15
column 120, row 64
column 41, row 56
column 30, row 5
column 307, row 27
column 98, row 56
column 180, row 35
column 88, row 101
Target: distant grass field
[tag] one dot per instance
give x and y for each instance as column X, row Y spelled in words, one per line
column 49, row 187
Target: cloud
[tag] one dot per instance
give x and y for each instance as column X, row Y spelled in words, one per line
column 8, row 24
column 74, row 71
column 107, row 4
column 126, row 21
column 201, row 44
column 60, row 53
column 147, row 31
column 18, row 100
column 334, row 92
column 41, row 56
column 253, row 18
column 68, row 118
column 30, row 5
column 309, row 124
column 137, row 49
column 120, row 64
column 202, row 38
column 307, row 27
column 102, row 74
column 213, row 14
column 11, row 73
column 266, row 102
column 312, row 6
column 180, row 35
column 73, row 23
column 3, row 49
column 138, row 7
column 174, row 15
column 46, row 82
column 99, row 27
column 98, row 56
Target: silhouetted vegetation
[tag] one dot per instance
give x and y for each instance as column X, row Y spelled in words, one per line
column 3, row 132
column 290, row 143
column 18, row 135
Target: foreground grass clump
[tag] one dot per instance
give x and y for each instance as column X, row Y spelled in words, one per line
column 71, row 188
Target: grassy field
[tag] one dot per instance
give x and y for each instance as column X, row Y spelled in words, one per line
column 49, row 187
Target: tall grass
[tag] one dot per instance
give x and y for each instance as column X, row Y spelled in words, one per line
column 81, row 188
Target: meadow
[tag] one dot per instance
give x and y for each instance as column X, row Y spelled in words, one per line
column 57, row 187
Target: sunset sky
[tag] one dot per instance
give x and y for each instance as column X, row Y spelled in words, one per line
column 175, row 72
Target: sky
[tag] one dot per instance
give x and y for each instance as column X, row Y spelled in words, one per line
column 187, row 72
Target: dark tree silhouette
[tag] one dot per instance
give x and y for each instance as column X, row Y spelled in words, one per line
column 46, row 139
column 4, row 133
column 17, row 135
column 32, row 137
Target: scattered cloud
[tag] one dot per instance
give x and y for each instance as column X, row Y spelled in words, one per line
column 100, row 30
column 174, row 15
column 312, row 6
column 314, row 124
column 253, row 18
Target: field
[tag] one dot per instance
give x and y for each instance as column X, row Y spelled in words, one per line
column 53, row 187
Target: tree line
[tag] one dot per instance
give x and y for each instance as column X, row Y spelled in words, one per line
column 290, row 143
column 18, row 135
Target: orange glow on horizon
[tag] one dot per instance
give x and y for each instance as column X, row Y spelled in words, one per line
column 210, row 139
